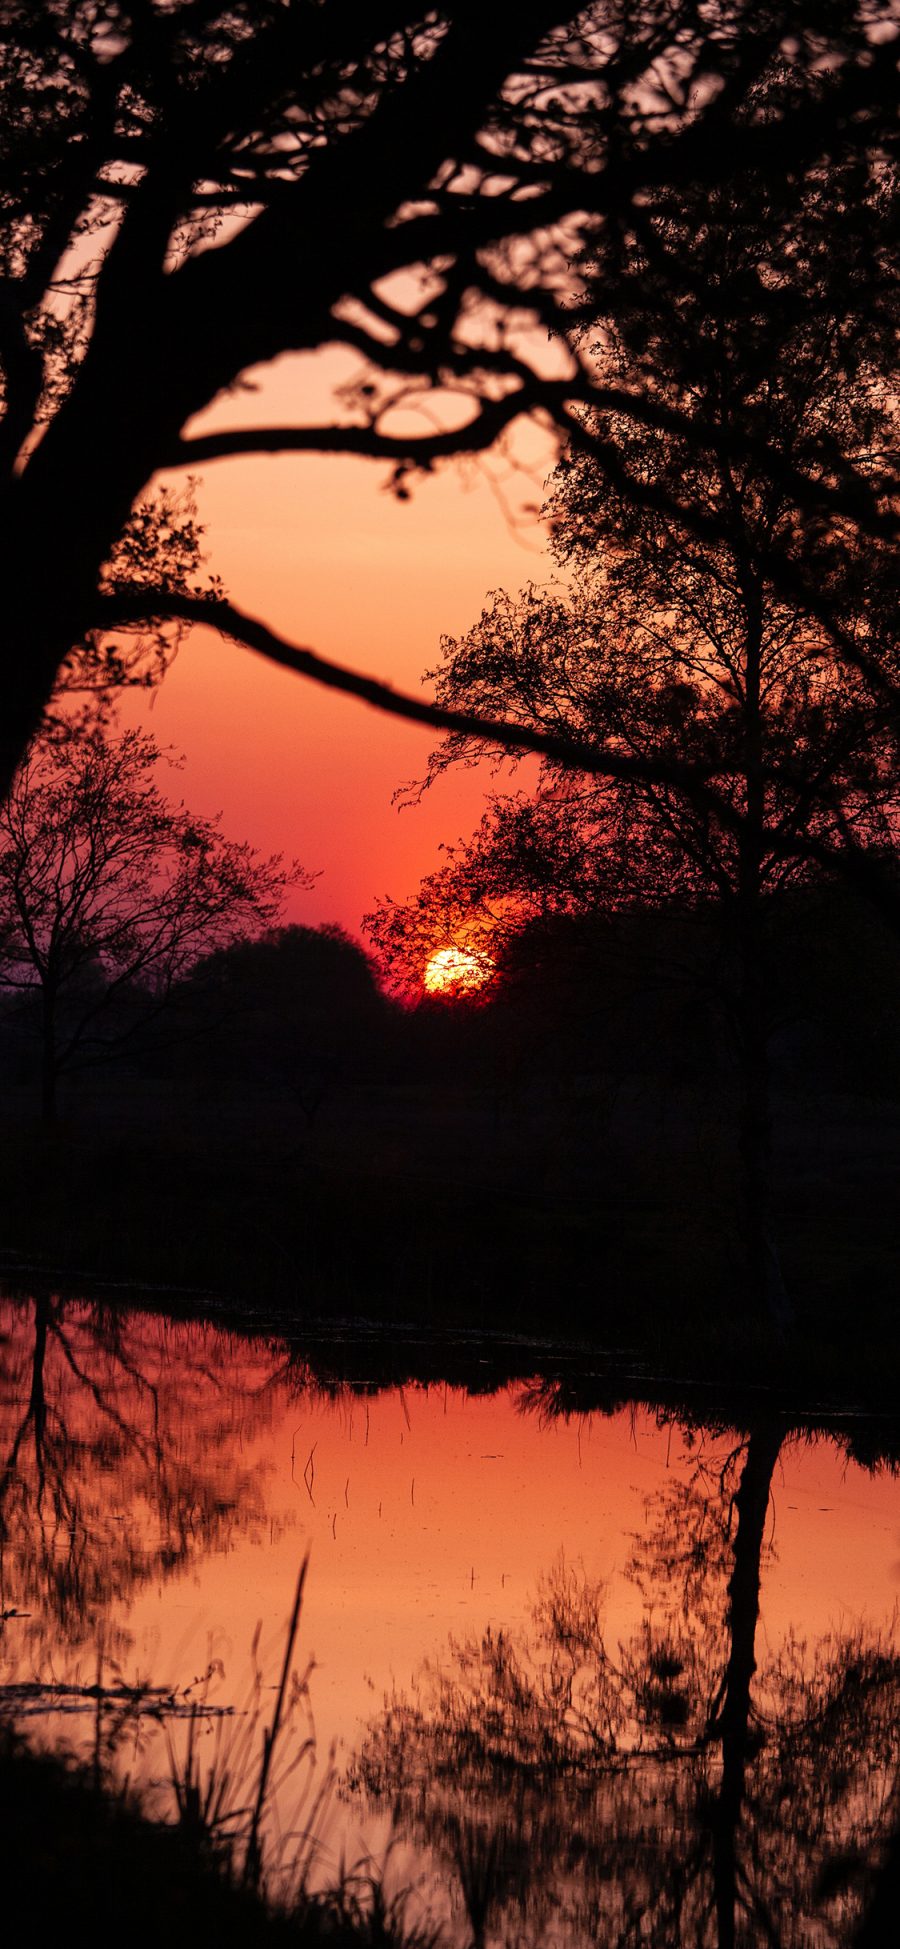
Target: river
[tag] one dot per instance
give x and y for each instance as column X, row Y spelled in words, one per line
column 564, row 1672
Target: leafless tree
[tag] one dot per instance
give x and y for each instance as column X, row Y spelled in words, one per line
column 107, row 888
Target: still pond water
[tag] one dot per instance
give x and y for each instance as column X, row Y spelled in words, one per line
column 586, row 1676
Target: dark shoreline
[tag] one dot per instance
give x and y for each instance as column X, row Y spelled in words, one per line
column 440, row 1249
column 84, row 1859
column 362, row 1354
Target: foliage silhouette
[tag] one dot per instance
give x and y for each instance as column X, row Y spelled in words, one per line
column 160, row 547
column 84, row 1855
column 675, row 645
column 169, row 179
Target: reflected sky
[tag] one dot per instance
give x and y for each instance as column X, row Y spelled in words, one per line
column 609, row 1672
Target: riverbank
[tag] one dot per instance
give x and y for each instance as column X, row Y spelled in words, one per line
column 83, row 1861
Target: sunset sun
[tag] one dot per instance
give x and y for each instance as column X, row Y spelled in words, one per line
column 456, row 971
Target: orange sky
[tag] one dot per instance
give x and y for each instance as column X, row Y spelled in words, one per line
column 319, row 549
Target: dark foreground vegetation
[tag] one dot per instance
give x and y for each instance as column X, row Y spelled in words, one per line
column 83, row 1860
column 559, row 1159
column 78, row 1859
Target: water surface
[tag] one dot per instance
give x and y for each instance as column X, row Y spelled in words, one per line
column 604, row 1676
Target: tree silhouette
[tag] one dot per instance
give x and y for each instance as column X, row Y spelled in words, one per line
column 190, row 190
column 638, row 1791
column 160, row 547
column 110, row 893
column 673, row 646
column 297, row 1009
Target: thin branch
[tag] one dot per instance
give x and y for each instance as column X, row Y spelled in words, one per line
column 214, row 612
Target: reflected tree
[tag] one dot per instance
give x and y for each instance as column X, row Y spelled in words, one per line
column 662, row 1788
column 119, row 1463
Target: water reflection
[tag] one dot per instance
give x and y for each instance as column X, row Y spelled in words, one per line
column 120, row 1459
column 676, row 1741
column 678, row 1787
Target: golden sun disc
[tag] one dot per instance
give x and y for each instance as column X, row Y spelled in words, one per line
column 455, row 971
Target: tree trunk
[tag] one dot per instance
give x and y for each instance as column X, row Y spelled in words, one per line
column 766, row 1290
column 47, row 588
column 752, row 1505
column 49, row 1064
column 61, row 516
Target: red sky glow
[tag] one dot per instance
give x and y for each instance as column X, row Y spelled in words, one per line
column 319, row 549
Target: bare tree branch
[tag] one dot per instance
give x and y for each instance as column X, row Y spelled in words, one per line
column 222, row 615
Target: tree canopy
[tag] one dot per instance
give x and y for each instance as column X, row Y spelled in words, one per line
column 748, row 647
column 189, row 190
column 675, row 653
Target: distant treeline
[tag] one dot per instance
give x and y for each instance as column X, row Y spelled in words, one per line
column 635, row 994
